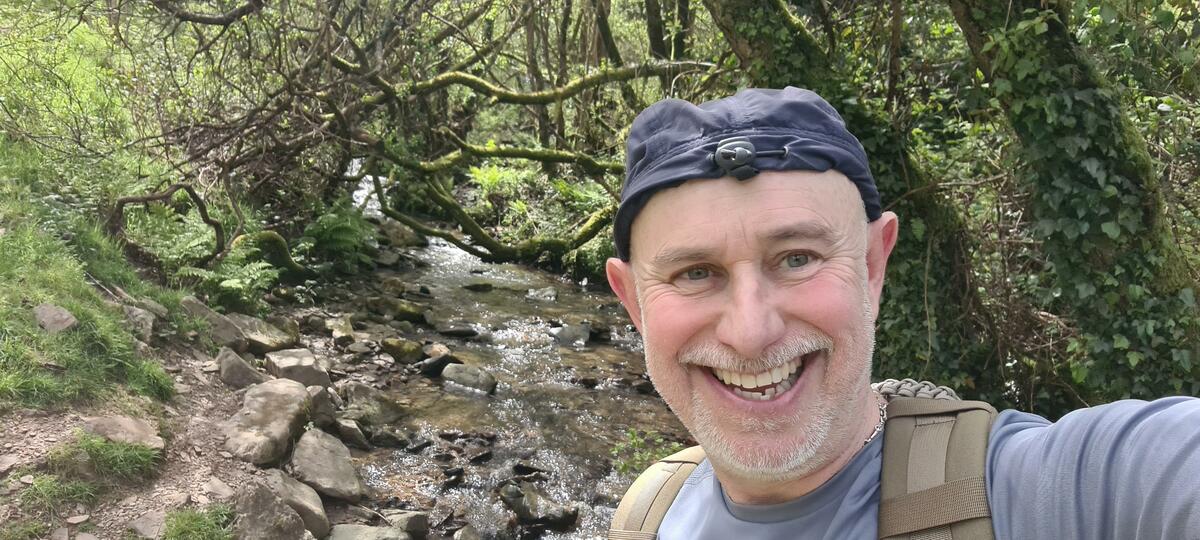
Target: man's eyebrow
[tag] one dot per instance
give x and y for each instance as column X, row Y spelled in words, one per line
column 683, row 254
column 805, row 230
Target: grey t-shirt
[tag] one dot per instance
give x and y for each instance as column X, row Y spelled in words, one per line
column 1128, row 470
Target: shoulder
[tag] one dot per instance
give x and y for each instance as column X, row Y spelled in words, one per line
column 1122, row 466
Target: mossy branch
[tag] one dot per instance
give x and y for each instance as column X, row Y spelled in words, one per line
column 116, row 221
column 551, row 95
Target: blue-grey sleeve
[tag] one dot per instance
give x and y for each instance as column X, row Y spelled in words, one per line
column 1128, row 470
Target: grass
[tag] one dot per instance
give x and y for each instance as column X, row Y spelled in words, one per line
column 38, row 266
column 212, row 523
column 49, row 493
column 90, row 455
column 24, row 530
column 640, row 450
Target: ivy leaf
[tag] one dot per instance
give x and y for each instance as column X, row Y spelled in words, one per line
column 1134, row 358
column 1120, row 342
column 918, row 228
column 1111, row 229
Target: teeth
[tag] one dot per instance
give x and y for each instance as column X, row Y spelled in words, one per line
column 776, row 380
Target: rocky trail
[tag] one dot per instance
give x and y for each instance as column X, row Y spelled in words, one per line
column 435, row 396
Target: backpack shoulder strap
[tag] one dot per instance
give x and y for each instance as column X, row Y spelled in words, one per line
column 933, row 470
column 646, row 502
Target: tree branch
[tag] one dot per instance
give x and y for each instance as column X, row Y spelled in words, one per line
column 551, row 95
column 224, row 19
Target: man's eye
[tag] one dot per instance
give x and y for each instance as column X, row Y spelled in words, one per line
column 697, row 274
column 797, row 260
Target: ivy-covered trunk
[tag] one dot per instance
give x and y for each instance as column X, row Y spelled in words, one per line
column 1117, row 268
column 928, row 326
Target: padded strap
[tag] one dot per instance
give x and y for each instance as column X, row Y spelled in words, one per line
column 933, row 470
column 645, row 504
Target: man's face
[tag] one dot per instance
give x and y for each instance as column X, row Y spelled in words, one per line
column 756, row 301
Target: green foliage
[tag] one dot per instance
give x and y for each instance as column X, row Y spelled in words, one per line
column 49, row 493
column 640, row 449
column 212, row 523
column 237, row 282
column 23, row 530
column 340, row 234
column 92, row 456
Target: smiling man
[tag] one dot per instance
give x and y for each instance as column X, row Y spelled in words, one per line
column 752, row 250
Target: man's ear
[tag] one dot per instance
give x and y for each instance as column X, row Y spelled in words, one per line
column 620, row 278
column 881, row 238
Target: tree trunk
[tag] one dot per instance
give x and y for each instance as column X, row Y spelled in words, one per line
column 1098, row 204
column 930, row 321
column 683, row 17
column 656, row 36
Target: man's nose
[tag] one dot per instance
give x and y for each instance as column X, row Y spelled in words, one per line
column 750, row 321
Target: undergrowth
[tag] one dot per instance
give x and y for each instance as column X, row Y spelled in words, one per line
column 109, row 461
column 640, row 449
column 49, row 493
column 212, row 523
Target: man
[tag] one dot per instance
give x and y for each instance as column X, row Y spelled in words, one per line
column 752, row 250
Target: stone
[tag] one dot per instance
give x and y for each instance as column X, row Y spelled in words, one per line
column 150, row 305
column 351, row 434
column 415, row 523
column 287, row 324
column 236, row 371
column 76, row 520
column 387, row 258
column 396, row 308
column 54, row 319
column 369, row 406
column 321, row 406
column 470, row 377
column 400, row 235
column 479, row 286
column 86, row 536
column 405, row 351
column 323, row 462
column 7, row 462
column 221, row 329
column 124, row 429
column 546, row 294
column 262, row 337
column 341, row 329
column 301, row 498
column 61, row 533
column 572, row 335
column 389, row 438
column 434, row 350
column 393, row 286
column 262, row 515
column 533, row 507
column 365, row 532
column 468, row 532
column 141, row 322
column 298, row 365
column 434, row 366
column 271, row 416
column 456, row 329
column 149, row 525
column 218, row 488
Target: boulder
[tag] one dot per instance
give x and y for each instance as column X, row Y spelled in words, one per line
column 298, row 365
column 468, row 532
column 140, row 321
column 54, row 319
column 400, row 235
column 369, row 406
column 387, row 258
column 301, row 498
column 532, row 507
column 434, row 366
column 456, row 329
column 272, row 415
column 341, row 329
column 470, row 377
column 222, row 330
column 402, row 350
column 322, row 406
column 262, row 515
column 150, row 305
column 401, row 310
column 365, row 532
column 546, row 294
column 124, row 429
column 236, row 371
column 393, row 286
column 323, row 462
column 262, row 337
column 572, row 335
column 148, row 525
column 351, row 434
column 386, row 437
column 414, row 523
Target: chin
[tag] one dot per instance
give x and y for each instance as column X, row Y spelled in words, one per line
column 766, row 450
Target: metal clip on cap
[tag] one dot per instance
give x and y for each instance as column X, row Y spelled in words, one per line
column 734, row 156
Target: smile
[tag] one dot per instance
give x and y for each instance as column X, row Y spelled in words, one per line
column 765, row 385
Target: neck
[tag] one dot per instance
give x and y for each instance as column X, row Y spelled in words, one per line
column 850, row 442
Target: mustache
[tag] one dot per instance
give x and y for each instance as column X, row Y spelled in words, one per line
column 716, row 355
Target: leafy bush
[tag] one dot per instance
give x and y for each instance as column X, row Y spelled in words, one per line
column 640, row 449
column 341, row 234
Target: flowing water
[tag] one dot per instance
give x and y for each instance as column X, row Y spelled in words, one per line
column 558, row 408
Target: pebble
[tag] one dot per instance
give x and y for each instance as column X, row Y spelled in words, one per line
column 27, row 479
column 76, row 520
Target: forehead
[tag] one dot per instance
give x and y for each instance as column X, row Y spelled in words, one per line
column 709, row 213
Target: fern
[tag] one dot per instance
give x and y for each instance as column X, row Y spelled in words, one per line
column 237, row 282
column 340, row 234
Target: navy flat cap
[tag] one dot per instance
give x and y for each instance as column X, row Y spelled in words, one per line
column 757, row 129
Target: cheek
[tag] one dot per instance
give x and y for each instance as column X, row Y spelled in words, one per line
column 670, row 323
column 833, row 306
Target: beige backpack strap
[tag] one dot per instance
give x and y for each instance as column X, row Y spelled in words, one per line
column 933, row 470
column 646, row 502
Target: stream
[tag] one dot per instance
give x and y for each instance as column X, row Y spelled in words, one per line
column 558, row 410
